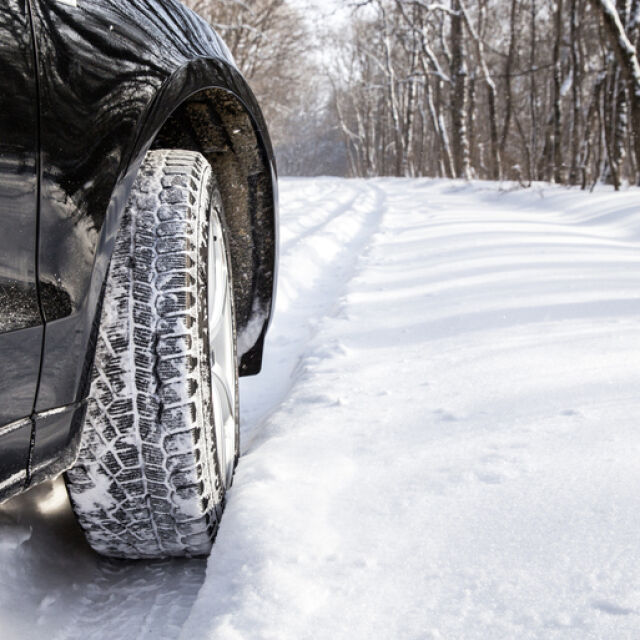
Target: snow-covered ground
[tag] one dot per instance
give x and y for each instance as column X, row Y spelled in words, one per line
column 444, row 442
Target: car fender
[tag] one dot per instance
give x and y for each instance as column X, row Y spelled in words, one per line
column 111, row 75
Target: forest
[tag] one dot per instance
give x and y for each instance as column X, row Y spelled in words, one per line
column 522, row 90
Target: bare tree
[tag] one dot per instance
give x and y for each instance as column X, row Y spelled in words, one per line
column 459, row 93
column 496, row 164
column 556, row 173
column 627, row 56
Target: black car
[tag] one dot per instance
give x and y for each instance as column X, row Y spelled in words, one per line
column 137, row 265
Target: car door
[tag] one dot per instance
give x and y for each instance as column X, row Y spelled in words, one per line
column 21, row 327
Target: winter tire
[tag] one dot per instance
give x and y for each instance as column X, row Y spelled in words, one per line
column 160, row 439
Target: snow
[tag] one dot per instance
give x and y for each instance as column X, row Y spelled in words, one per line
column 443, row 442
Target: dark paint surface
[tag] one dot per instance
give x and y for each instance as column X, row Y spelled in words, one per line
column 20, row 320
column 19, row 360
column 110, row 74
column 15, row 439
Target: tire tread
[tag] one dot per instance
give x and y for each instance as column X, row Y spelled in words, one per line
column 146, row 482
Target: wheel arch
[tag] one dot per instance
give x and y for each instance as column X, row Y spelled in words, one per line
column 197, row 102
column 207, row 106
column 217, row 123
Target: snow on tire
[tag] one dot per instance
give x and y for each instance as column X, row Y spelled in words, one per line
column 160, row 439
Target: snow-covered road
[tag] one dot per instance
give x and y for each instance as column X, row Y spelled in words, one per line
column 443, row 443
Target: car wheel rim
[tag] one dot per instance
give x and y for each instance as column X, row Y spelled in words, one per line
column 221, row 356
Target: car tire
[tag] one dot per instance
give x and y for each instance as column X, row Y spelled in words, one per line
column 160, row 439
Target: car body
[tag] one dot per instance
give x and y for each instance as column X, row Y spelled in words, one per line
column 89, row 86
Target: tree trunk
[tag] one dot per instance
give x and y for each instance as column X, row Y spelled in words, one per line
column 574, row 172
column 557, row 86
column 508, row 107
column 460, row 141
column 533, row 95
column 628, row 58
column 496, row 169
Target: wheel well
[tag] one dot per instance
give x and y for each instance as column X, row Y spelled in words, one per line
column 215, row 123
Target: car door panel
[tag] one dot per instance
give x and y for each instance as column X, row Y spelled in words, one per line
column 15, row 439
column 20, row 319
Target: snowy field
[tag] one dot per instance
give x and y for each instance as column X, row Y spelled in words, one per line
column 444, row 442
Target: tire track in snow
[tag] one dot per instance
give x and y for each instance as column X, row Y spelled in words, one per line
column 140, row 600
column 313, row 259
column 54, row 586
column 316, row 213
